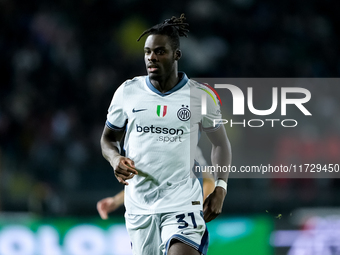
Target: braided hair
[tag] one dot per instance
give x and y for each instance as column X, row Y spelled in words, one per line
column 174, row 28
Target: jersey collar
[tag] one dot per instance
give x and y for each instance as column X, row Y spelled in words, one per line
column 179, row 85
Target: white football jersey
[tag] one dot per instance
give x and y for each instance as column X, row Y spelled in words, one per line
column 162, row 132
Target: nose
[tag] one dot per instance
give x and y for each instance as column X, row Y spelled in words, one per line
column 152, row 57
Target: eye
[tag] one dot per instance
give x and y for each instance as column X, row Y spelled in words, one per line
column 147, row 51
column 160, row 52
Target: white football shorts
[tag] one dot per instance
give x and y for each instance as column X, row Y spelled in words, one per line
column 152, row 234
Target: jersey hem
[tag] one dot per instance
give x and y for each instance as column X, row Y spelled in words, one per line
column 147, row 212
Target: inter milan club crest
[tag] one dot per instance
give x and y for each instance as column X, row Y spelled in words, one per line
column 161, row 110
column 184, row 113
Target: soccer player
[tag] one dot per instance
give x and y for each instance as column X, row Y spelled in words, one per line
column 160, row 115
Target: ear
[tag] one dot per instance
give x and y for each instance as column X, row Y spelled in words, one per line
column 178, row 54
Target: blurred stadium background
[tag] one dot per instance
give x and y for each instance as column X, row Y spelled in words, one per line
column 60, row 63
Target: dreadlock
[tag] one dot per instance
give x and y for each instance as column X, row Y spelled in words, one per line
column 174, row 28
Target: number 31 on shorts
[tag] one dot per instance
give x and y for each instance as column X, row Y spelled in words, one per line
column 182, row 219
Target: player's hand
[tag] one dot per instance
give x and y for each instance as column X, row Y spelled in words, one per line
column 105, row 206
column 124, row 169
column 213, row 204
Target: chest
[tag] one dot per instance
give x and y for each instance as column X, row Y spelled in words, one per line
column 161, row 111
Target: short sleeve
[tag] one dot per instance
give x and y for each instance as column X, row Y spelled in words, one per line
column 116, row 117
column 211, row 120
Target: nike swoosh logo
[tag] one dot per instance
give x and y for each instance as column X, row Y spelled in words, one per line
column 133, row 110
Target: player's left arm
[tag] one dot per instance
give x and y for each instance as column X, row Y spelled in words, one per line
column 221, row 156
column 110, row 204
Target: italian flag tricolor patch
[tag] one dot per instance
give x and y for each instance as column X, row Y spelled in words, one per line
column 161, row 110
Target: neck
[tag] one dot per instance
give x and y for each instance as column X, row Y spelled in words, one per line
column 164, row 84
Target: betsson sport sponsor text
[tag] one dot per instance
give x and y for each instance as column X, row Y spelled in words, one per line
column 175, row 134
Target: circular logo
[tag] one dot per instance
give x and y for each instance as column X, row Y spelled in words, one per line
column 184, row 113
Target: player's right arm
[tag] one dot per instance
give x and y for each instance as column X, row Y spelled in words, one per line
column 123, row 167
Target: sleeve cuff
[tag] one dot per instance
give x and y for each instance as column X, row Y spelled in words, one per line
column 113, row 127
column 211, row 129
